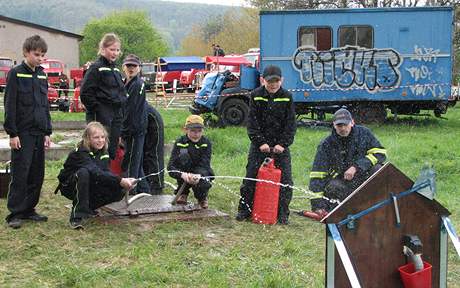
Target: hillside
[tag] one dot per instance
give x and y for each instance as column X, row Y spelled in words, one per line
column 172, row 19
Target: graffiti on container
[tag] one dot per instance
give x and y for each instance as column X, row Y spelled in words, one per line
column 349, row 67
column 424, row 58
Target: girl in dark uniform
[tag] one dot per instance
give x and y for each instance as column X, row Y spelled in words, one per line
column 103, row 92
column 86, row 178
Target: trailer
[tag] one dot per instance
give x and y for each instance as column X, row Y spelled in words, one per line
column 370, row 60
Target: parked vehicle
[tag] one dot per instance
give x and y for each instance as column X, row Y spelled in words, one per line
column 372, row 63
column 224, row 84
column 5, row 66
column 148, row 73
column 171, row 67
column 53, row 69
column 253, row 56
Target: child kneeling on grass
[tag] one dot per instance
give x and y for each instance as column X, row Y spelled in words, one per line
column 191, row 155
column 86, row 178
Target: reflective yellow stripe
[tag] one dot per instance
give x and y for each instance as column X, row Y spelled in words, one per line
column 42, row 77
column 281, row 99
column 318, row 174
column 116, row 69
column 372, row 159
column 260, row 99
column 182, row 145
column 201, row 146
column 317, row 195
column 142, row 88
column 104, row 156
column 21, row 75
column 105, row 69
column 377, row 150
column 127, row 95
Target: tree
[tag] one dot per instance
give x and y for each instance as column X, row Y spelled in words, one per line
column 238, row 31
column 135, row 30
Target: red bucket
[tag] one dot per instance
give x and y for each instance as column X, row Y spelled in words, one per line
column 419, row 279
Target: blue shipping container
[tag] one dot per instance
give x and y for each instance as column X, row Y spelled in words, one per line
column 393, row 56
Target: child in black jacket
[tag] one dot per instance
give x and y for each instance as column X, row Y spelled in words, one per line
column 28, row 123
column 271, row 129
column 190, row 160
column 86, row 178
column 103, row 92
column 134, row 122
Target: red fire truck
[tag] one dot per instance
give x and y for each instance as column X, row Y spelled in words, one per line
column 5, row 65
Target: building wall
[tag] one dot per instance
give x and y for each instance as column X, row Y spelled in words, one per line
column 60, row 46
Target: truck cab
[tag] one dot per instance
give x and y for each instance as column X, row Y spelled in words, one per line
column 5, row 66
column 54, row 69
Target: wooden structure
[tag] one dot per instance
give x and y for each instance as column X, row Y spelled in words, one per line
column 374, row 241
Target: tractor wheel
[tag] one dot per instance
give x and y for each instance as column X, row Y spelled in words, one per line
column 234, row 112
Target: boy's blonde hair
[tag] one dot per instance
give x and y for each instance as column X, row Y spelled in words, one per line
column 89, row 130
column 107, row 40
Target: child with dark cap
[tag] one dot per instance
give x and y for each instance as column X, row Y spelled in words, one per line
column 190, row 160
column 271, row 129
column 134, row 125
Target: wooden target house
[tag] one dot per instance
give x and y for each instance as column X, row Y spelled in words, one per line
column 373, row 239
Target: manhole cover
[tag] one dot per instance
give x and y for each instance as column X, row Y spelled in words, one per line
column 148, row 205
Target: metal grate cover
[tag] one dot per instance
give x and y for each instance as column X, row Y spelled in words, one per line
column 148, row 205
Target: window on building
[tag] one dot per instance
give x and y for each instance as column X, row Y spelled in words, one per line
column 362, row 36
column 318, row 37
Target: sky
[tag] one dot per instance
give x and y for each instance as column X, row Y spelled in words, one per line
column 216, row 2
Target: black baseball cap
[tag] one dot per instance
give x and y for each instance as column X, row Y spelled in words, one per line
column 342, row 116
column 271, row 72
column 132, row 59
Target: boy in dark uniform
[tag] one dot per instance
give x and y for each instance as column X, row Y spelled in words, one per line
column 28, row 123
column 190, row 160
column 271, row 129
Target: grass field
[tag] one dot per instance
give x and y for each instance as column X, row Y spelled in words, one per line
column 216, row 253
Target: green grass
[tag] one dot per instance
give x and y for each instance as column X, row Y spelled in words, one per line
column 216, row 253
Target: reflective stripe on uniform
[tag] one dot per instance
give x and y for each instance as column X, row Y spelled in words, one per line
column 377, row 150
column 22, row 75
column 201, row 146
column 42, row 77
column 182, row 145
column 372, row 159
column 317, row 195
column 106, row 156
column 260, row 99
column 142, row 88
column 104, row 69
column 281, row 99
column 116, row 69
column 318, row 174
